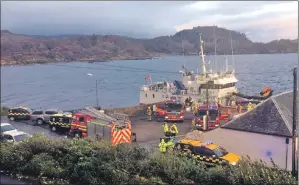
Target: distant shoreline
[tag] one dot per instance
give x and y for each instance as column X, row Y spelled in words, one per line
column 14, row 63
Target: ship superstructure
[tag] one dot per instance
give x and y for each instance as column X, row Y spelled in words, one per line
column 207, row 86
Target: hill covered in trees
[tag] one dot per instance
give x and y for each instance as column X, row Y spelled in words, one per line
column 24, row 49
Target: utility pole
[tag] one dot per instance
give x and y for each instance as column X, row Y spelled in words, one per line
column 294, row 123
column 207, row 94
column 97, row 94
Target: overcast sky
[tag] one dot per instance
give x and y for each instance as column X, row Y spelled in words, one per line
column 260, row 21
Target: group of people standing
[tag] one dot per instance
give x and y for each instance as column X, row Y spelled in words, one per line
column 250, row 106
column 169, row 135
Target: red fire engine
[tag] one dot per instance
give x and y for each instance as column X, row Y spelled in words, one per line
column 170, row 111
column 95, row 124
column 214, row 118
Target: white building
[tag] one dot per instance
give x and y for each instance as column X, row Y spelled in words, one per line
column 262, row 133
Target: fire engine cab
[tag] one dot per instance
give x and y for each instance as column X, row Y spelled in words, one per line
column 95, row 124
column 171, row 110
column 214, row 117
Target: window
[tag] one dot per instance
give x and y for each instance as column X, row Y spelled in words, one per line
column 81, row 119
column 7, row 128
column 21, row 137
column 7, row 138
column 37, row 112
column 51, row 112
column 204, row 151
column 153, row 95
column 219, row 152
column 24, row 111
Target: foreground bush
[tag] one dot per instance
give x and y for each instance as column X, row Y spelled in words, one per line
column 96, row 162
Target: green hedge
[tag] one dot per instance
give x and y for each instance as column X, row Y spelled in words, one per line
column 97, row 163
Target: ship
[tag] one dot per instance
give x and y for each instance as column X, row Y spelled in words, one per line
column 203, row 87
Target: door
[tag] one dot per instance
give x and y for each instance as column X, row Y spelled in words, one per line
column 48, row 114
column 23, row 114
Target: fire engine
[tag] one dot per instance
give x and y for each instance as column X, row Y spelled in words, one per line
column 95, row 124
column 214, row 118
column 170, row 111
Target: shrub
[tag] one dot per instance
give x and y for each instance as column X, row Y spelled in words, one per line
column 87, row 162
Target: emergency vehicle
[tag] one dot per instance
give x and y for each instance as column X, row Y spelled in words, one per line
column 19, row 113
column 60, row 122
column 214, row 118
column 207, row 152
column 171, row 110
column 93, row 123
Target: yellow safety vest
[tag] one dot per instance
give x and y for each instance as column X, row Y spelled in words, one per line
column 162, row 146
column 174, row 129
column 165, row 127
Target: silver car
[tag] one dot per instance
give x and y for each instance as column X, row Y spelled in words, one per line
column 40, row 117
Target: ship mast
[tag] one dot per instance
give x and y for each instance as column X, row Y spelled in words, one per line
column 232, row 49
column 203, row 64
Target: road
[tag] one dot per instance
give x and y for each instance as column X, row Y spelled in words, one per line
column 146, row 131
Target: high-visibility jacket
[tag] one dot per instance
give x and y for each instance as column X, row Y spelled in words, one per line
column 174, row 129
column 165, row 127
column 249, row 106
column 170, row 143
column 162, row 146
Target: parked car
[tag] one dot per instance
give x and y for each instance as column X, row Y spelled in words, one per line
column 14, row 137
column 7, row 128
column 19, row 113
column 40, row 117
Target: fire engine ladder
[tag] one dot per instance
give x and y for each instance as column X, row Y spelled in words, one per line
column 118, row 118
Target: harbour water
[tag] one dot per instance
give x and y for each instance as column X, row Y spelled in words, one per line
column 73, row 85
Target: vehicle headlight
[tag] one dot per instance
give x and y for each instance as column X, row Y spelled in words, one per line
column 181, row 117
column 166, row 117
column 233, row 163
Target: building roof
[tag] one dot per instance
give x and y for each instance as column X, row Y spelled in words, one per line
column 273, row 117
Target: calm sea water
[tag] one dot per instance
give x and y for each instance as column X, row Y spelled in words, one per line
column 67, row 85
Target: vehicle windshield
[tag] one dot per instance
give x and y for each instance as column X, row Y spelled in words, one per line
column 21, row 137
column 212, row 114
column 219, row 152
column 7, row 128
column 174, row 106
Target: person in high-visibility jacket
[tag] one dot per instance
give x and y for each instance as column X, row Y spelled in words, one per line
column 174, row 130
column 162, row 146
column 249, row 106
column 195, row 108
column 190, row 102
column 149, row 113
column 170, row 145
column 165, row 128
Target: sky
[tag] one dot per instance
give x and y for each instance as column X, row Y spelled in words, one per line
column 261, row 21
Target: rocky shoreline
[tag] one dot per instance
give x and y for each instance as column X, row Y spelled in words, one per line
column 46, row 61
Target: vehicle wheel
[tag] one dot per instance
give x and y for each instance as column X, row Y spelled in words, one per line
column 12, row 118
column 39, row 122
column 53, row 128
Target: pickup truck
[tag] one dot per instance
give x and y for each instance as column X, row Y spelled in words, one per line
column 40, row 117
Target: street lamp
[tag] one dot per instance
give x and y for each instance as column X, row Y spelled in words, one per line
column 97, row 99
